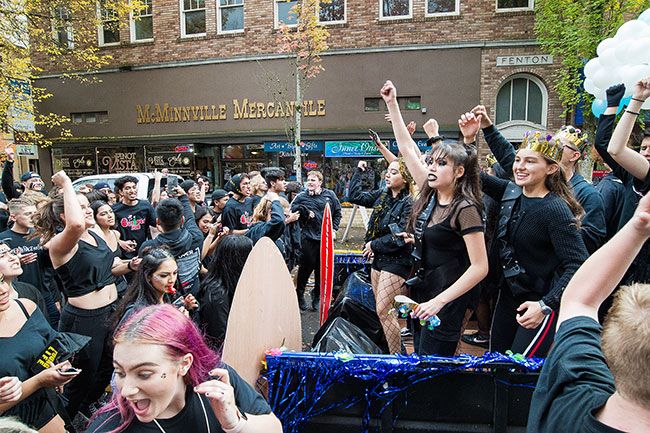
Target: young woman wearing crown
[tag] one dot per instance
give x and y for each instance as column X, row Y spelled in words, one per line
column 539, row 243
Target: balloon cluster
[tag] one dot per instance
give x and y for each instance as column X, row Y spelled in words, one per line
column 625, row 58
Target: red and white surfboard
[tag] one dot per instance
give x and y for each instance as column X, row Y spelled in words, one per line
column 326, row 264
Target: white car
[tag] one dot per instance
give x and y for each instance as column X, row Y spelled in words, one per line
column 145, row 181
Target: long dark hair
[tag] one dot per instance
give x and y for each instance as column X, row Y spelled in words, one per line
column 557, row 183
column 227, row 264
column 140, row 291
column 467, row 186
column 96, row 205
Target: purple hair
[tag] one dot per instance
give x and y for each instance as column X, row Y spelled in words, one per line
column 166, row 326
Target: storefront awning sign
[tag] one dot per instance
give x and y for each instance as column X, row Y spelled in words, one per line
column 363, row 149
column 313, row 146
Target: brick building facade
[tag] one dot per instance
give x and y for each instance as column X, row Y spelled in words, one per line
column 443, row 63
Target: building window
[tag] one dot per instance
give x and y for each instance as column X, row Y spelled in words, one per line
column 62, row 27
column 193, row 18
column 332, row 12
column 109, row 29
column 443, row 7
column 395, row 9
column 284, row 13
column 522, row 98
column 90, row 117
column 404, row 102
column 142, row 23
column 230, row 15
column 509, row 5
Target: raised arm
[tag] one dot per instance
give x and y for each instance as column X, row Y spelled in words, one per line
column 630, row 160
column 502, row 149
column 65, row 242
column 387, row 154
column 356, row 195
column 600, row 274
column 8, row 175
column 155, row 193
column 405, row 143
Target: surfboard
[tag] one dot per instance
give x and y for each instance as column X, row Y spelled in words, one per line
column 326, row 264
column 264, row 312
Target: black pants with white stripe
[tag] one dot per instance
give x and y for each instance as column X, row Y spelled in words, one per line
column 507, row 334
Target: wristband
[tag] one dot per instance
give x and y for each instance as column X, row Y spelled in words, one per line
column 129, row 266
column 632, row 112
column 436, row 138
column 638, row 100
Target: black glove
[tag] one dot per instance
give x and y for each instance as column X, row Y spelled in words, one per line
column 615, row 94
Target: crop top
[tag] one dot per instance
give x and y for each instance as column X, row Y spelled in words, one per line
column 88, row 270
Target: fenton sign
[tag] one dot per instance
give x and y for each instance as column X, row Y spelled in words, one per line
column 240, row 109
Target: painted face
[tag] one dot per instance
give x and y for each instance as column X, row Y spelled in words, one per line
column 87, row 210
column 23, row 218
column 441, row 172
column 9, row 262
column 531, row 168
column 394, row 179
column 164, row 278
column 313, row 183
column 105, row 217
column 130, row 191
column 35, row 184
column 245, row 187
column 644, row 150
column 204, row 223
column 149, row 379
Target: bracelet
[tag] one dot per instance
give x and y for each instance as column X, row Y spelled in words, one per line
column 434, row 139
column 129, row 266
column 638, row 100
column 631, row 112
column 238, row 427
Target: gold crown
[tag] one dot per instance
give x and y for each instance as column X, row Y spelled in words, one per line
column 490, row 159
column 548, row 146
column 576, row 137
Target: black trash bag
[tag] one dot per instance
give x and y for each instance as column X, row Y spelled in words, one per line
column 357, row 287
column 362, row 317
column 342, row 336
column 63, row 347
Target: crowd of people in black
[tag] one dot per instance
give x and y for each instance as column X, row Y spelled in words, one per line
column 150, row 282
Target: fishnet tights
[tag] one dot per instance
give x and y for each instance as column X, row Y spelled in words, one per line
column 386, row 286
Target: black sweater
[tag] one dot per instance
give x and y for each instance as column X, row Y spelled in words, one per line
column 311, row 228
column 546, row 241
column 593, row 227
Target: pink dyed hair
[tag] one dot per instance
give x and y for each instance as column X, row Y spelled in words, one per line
column 166, row 326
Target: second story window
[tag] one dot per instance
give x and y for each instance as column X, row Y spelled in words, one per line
column 332, row 12
column 62, row 27
column 284, row 14
column 395, row 9
column 443, row 7
column 230, row 15
column 142, row 28
column 109, row 29
column 508, row 5
column 193, row 18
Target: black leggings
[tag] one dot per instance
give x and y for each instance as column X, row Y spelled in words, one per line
column 309, row 262
column 507, row 334
column 95, row 360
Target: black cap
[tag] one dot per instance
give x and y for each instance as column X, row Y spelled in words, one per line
column 29, row 175
column 233, row 184
column 187, row 185
column 218, row 194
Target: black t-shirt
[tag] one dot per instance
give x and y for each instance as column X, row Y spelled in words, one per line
column 237, row 215
column 133, row 223
column 32, row 272
column 191, row 418
column 575, row 382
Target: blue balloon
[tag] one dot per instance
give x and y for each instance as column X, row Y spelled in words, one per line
column 598, row 107
column 624, row 103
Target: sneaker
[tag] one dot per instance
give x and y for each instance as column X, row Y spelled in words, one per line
column 476, row 339
column 302, row 303
column 405, row 332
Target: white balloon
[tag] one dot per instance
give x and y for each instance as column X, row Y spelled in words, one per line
column 638, row 52
column 646, row 104
column 605, row 77
column 591, row 67
column 608, row 58
column 631, row 30
column 632, row 74
column 605, row 45
column 620, row 52
column 645, row 16
column 590, row 87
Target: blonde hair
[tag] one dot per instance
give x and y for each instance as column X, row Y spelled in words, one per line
column 316, row 173
column 16, row 205
column 262, row 210
column 626, row 342
column 256, row 182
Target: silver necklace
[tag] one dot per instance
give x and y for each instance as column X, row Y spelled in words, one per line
column 205, row 414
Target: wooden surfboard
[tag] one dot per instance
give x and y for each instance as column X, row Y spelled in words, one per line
column 264, row 312
column 326, row 264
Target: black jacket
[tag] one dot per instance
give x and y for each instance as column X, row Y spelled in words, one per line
column 593, row 227
column 272, row 229
column 384, row 245
column 311, row 227
column 185, row 245
column 8, row 181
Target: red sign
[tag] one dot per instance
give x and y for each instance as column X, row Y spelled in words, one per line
column 599, row 173
column 310, row 165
